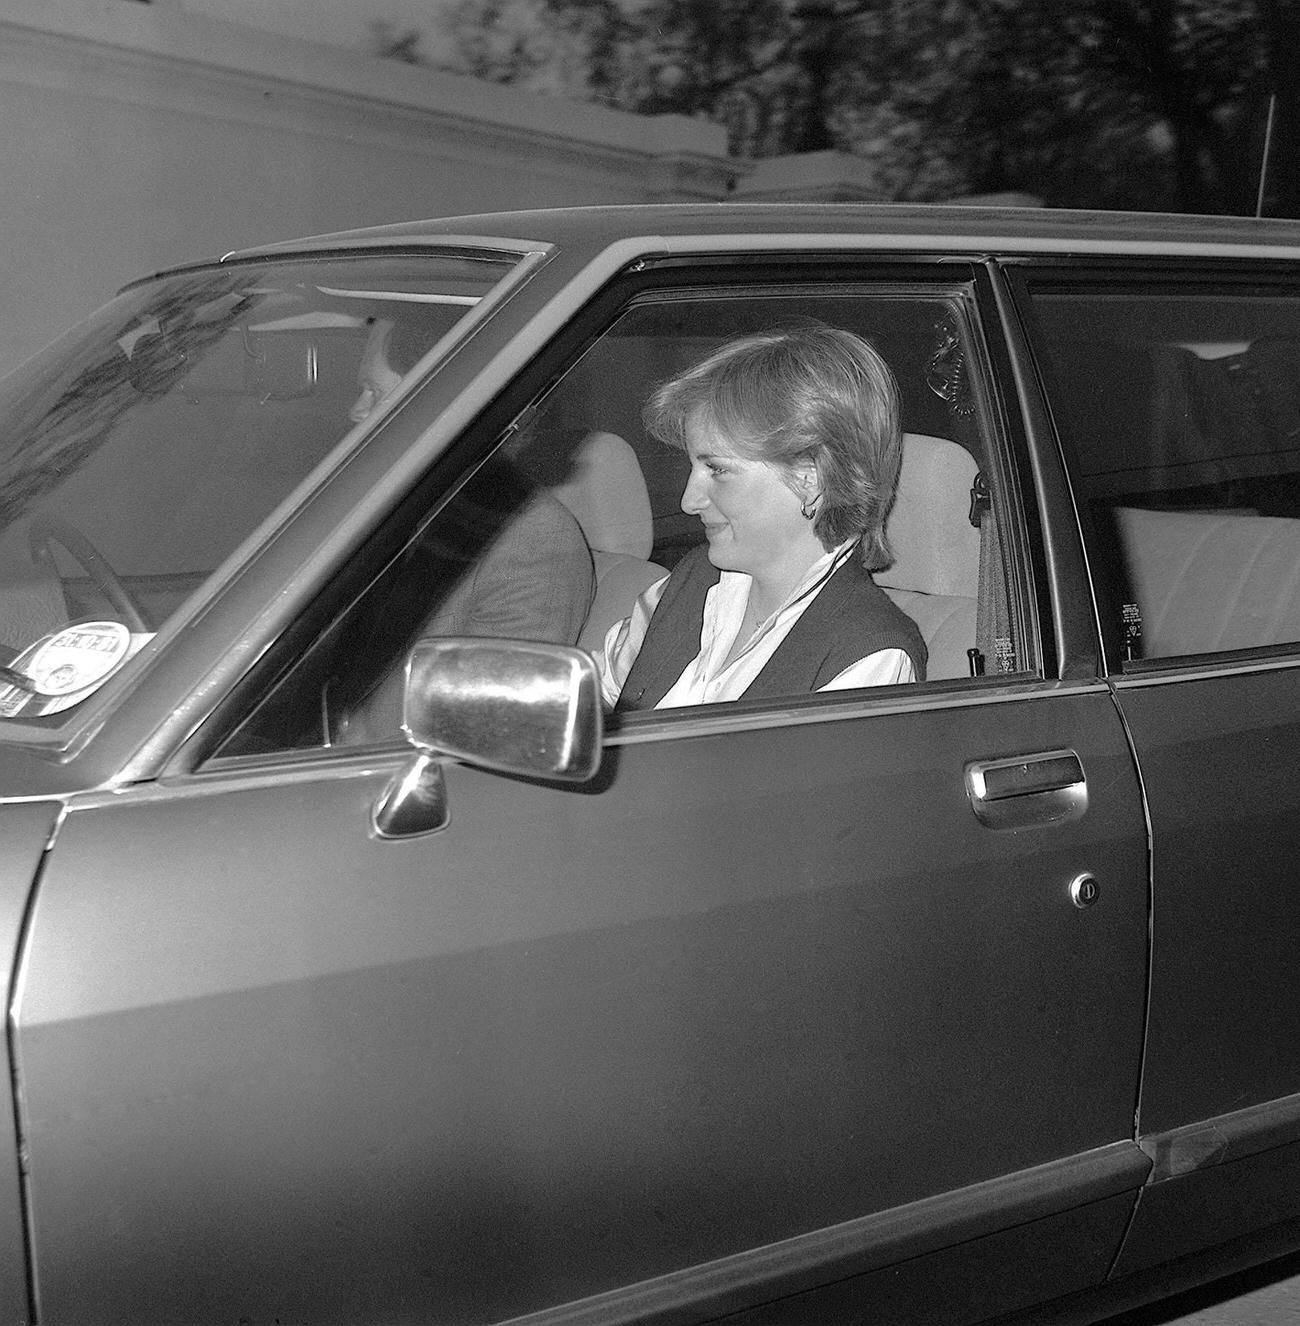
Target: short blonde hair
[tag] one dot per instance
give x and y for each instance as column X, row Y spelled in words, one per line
column 806, row 393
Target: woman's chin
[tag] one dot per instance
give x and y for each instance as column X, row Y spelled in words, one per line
column 721, row 559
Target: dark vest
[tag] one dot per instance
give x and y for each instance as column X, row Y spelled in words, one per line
column 850, row 618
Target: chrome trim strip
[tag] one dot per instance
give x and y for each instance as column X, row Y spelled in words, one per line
column 674, row 724
column 343, row 242
column 938, row 245
column 251, row 773
column 855, row 1247
column 1196, row 671
column 935, row 246
column 1224, row 1138
column 276, row 769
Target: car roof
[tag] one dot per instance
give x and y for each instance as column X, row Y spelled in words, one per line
column 892, row 226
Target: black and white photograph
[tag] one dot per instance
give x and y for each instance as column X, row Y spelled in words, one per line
column 650, row 662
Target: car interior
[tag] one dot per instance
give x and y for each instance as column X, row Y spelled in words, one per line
column 625, row 487
column 583, row 442
column 1183, row 416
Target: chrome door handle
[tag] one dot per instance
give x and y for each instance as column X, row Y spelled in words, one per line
column 1027, row 791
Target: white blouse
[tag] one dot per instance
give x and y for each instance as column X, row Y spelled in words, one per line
column 710, row 678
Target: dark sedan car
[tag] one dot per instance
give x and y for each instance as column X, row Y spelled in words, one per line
column 361, row 969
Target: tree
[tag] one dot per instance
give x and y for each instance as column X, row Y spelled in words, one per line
column 565, row 48
column 1196, row 73
column 1282, row 25
column 392, row 43
column 1114, row 103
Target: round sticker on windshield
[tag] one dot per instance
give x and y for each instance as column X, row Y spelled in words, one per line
column 63, row 668
column 77, row 657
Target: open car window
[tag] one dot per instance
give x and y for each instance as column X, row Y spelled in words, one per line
column 558, row 523
column 144, row 448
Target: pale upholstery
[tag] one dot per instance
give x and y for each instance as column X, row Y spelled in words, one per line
column 1206, row 581
column 620, row 580
column 934, row 577
column 607, row 494
column 947, row 625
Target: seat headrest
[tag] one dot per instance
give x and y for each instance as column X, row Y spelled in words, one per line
column 936, row 548
column 607, row 494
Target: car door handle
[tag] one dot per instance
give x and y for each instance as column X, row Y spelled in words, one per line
column 1027, row 791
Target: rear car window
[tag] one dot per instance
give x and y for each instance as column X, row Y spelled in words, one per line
column 1179, row 409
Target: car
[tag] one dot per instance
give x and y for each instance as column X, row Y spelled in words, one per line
column 364, row 969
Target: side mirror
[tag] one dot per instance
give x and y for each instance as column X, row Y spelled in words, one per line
column 521, row 708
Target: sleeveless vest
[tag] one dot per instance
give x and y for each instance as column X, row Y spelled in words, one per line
column 850, row 618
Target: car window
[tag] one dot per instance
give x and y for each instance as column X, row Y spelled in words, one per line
column 576, row 510
column 142, row 449
column 1179, row 408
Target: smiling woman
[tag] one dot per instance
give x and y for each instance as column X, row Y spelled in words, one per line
column 795, row 448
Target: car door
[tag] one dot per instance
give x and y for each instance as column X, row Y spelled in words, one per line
column 830, row 1003
column 1173, row 387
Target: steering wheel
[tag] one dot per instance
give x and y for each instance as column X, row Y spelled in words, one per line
column 48, row 530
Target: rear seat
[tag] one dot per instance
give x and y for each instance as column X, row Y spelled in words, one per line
column 1209, row 581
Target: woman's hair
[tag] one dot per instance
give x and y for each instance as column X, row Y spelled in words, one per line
column 806, row 393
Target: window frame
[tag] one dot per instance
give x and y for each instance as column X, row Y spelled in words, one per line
column 715, row 277
column 1237, row 277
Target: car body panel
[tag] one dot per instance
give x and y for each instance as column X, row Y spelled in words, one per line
column 680, row 1013
column 27, row 830
column 1221, row 1077
column 1221, row 767
column 1213, row 733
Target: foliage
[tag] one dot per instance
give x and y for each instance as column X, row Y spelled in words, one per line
column 1125, row 103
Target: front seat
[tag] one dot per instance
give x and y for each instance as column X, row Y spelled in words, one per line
column 934, row 577
column 606, row 493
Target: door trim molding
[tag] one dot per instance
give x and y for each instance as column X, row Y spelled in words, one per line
column 855, row 1247
column 1224, row 1138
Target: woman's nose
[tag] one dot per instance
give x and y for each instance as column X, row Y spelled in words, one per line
column 693, row 499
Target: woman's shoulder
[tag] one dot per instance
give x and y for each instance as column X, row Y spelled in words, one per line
column 853, row 605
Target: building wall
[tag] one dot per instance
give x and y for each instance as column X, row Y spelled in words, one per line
column 133, row 136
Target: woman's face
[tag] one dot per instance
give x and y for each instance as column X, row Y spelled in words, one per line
column 749, row 510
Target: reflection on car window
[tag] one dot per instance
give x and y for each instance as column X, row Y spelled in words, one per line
column 141, row 450
column 579, row 514
column 1181, row 415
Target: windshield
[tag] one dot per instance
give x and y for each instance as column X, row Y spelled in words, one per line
column 140, row 450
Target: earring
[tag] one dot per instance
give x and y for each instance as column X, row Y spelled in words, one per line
column 808, row 508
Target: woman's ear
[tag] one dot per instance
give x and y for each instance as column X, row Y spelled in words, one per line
column 807, row 481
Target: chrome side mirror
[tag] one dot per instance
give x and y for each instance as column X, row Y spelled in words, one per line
column 521, row 708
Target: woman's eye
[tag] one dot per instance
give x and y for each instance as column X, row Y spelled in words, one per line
column 713, row 469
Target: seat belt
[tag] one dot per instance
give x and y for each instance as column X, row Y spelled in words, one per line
column 995, row 646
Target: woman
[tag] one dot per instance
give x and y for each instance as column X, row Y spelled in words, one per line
column 794, row 443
